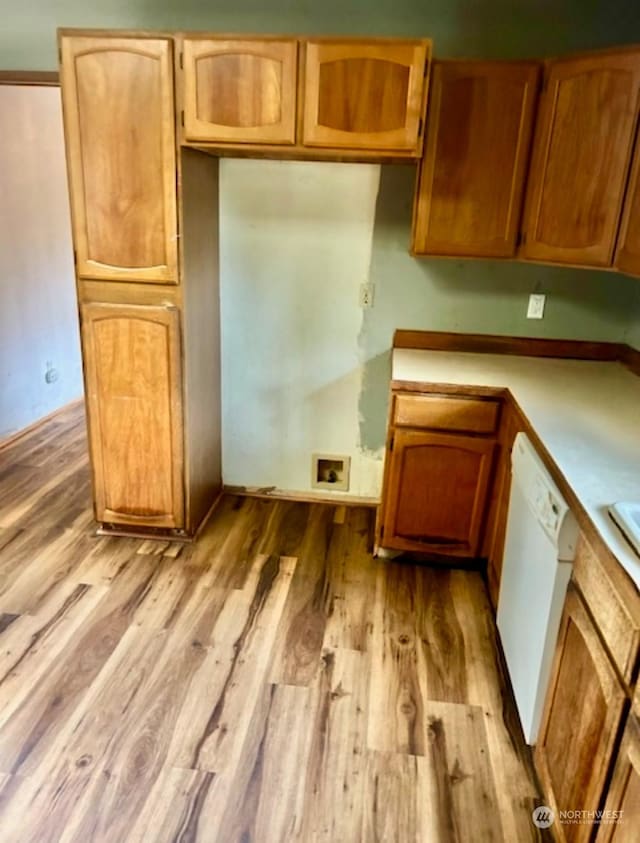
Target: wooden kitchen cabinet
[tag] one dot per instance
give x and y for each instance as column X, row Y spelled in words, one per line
column 241, row 91
column 623, row 796
column 133, row 389
column 436, row 491
column 627, row 257
column 583, row 712
column 361, row 94
column 472, row 177
column 150, row 350
column 582, row 149
column 117, row 96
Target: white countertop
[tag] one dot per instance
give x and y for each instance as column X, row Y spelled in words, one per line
column 586, row 414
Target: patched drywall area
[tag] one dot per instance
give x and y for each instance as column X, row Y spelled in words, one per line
column 295, row 241
column 40, row 367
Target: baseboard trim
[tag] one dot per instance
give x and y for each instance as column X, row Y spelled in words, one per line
column 271, row 492
column 31, row 428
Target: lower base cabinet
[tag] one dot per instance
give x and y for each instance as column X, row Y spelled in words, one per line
column 439, row 471
column 134, row 400
column 583, row 713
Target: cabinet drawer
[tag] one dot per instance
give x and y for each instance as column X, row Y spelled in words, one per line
column 616, row 612
column 443, row 412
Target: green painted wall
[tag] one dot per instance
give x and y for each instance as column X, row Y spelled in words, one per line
column 505, row 28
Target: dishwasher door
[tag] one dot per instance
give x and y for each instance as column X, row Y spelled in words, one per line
column 540, row 528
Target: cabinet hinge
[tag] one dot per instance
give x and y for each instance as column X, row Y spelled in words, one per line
column 420, row 127
column 521, row 239
column 391, row 444
column 182, row 118
column 181, row 61
column 59, row 54
column 382, row 531
column 75, row 257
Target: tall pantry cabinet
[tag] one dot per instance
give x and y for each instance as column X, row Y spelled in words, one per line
column 146, row 258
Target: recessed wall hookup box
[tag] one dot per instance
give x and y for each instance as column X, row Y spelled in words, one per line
column 330, row 471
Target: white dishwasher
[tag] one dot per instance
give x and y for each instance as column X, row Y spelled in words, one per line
column 539, row 550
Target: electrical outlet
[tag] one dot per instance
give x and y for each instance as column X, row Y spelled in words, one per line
column 366, row 295
column 535, row 310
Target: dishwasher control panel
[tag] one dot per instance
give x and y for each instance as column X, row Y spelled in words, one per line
column 543, row 497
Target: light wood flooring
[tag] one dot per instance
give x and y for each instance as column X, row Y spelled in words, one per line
column 270, row 682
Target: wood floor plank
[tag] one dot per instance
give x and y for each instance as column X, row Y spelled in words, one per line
column 353, row 572
column 223, row 693
column 396, row 793
column 300, row 638
column 177, row 809
column 440, row 636
column 396, row 720
column 334, row 793
column 463, row 803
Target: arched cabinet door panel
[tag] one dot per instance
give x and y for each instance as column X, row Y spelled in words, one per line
column 119, row 127
column 582, row 150
column 240, row 91
column 583, row 712
column 437, row 492
column 362, row 95
column 472, row 177
column 133, row 394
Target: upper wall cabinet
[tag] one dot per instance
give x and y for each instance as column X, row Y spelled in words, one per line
column 583, row 144
column 628, row 251
column 240, row 91
column 364, row 94
column 471, row 181
column 119, row 126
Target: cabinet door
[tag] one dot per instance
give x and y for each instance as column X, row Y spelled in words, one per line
column 363, row 95
column 472, row 177
column 628, row 249
column 133, row 388
column 582, row 715
column 437, row 492
column 119, row 127
column 581, row 158
column 623, row 797
column 240, row 91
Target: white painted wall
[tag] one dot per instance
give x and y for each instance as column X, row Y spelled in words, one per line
column 296, row 242
column 38, row 322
